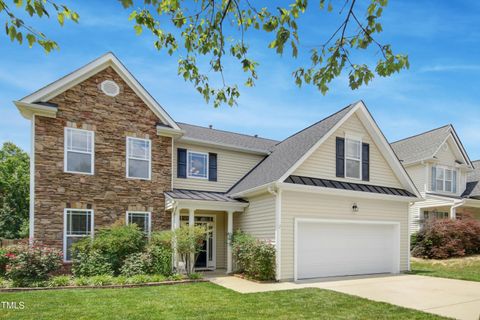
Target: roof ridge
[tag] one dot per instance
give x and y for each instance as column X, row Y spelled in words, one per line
column 314, row 124
column 422, row 133
column 226, row 131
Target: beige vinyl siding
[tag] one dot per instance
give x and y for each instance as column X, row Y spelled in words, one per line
column 231, row 166
column 308, row 205
column 221, row 235
column 445, row 155
column 321, row 164
column 429, row 203
column 418, row 174
column 258, row 218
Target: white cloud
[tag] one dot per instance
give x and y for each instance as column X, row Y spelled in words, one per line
column 450, row 67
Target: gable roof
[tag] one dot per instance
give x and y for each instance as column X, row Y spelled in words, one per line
column 291, row 152
column 424, row 146
column 473, row 182
column 226, row 139
column 421, row 146
column 286, row 153
column 107, row 60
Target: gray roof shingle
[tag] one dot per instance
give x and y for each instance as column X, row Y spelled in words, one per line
column 227, row 138
column 473, row 182
column 421, row 146
column 286, row 153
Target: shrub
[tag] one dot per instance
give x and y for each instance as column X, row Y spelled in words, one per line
column 413, row 240
column 445, row 238
column 114, row 244
column 90, row 263
column 254, row 258
column 157, row 278
column 3, row 261
column 28, row 264
column 81, row 281
column 60, row 281
column 135, row 264
column 176, row 277
column 138, row 279
column 189, row 241
column 160, row 259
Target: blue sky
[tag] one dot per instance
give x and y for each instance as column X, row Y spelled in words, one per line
column 442, row 39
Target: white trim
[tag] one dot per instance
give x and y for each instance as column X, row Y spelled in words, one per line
column 229, row 241
column 92, row 231
column 278, row 234
column 377, row 137
column 189, row 152
column 456, row 139
column 396, row 224
column 222, row 146
column 207, row 204
column 65, row 151
column 344, row 193
column 127, row 153
column 359, row 160
column 107, row 60
column 149, row 216
column 28, row 110
column 31, row 215
column 318, row 143
column 169, row 132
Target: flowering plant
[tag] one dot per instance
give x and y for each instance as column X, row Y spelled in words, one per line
column 31, row 263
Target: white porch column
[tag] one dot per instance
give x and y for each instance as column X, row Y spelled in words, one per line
column 229, row 241
column 191, row 224
column 453, row 212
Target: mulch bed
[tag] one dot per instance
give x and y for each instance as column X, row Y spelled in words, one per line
column 110, row 286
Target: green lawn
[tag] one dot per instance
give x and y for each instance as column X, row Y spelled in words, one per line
column 199, row 301
column 459, row 268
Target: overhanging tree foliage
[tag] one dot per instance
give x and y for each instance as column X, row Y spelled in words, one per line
column 214, row 30
column 14, row 191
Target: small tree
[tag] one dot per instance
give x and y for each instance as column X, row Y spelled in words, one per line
column 188, row 243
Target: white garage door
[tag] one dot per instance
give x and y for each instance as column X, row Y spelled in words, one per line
column 339, row 248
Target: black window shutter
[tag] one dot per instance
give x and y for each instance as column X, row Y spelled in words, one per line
column 365, row 162
column 212, row 167
column 181, row 163
column 340, row 157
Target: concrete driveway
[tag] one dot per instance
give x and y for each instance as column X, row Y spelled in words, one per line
column 446, row 297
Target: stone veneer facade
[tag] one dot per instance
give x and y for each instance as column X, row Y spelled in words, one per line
column 108, row 192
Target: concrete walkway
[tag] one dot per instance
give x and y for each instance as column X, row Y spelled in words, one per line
column 446, row 297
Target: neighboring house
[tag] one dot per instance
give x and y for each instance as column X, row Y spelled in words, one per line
column 332, row 198
column 443, row 173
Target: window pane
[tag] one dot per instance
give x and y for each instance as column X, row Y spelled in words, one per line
column 448, row 185
column 197, row 165
column 439, row 185
column 448, row 175
column 79, row 140
column 78, row 223
column 353, row 168
column 353, row 149
column 439, row 174
column 139, row 149
column 138, row 169
column 70, row 242
column 79, row 162
column 140, row 219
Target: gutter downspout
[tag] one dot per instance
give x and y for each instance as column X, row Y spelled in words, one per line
column 453, row 211
column 277, row 192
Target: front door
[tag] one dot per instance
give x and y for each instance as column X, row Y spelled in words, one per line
column 206, row 257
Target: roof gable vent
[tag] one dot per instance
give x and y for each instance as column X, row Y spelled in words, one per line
column 110, row 88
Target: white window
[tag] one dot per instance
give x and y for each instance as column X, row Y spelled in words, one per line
column 353, row 158
column 445, row 179
column 78, row 224
column 138, row 158
column 197, row 165
column 141, row 219
column 79, row 151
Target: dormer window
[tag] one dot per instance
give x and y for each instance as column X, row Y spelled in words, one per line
column 444, row 179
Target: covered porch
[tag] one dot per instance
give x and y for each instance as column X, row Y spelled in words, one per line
column 451, row 207
column 214, row 211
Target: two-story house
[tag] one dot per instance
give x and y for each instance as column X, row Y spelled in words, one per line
column 443, row 173
column 333, row 198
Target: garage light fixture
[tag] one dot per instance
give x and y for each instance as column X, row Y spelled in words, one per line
column 355, row 207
